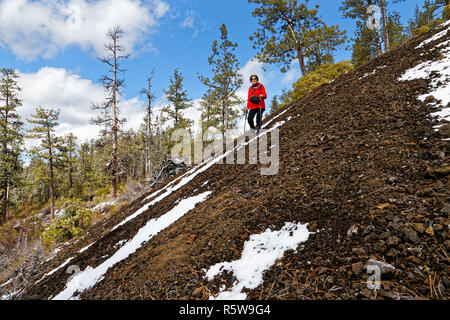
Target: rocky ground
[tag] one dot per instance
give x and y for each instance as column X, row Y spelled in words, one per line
column 360, row 163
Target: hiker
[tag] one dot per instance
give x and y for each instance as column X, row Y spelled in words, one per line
column 255, row 103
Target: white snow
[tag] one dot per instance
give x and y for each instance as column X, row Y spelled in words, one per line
column 440, row 85
column 435, row 37
column 59, row 213
column 120, row 243
column 372, row 73
column 85, row 248
column 90, row 276
column 54, row 270
column 260, row 252
column 101, row 205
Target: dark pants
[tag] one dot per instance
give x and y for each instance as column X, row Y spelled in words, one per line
column 251, row 115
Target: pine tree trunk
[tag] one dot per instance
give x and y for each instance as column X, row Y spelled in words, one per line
column 300, row 56
column 148, row 171
column 387, row 45
column 301, row 60
column 376, row 37
column 4, row 216
column 5, row 194
column 114, row 129
column 52, row 189
column 7, row 202
column 70, row 171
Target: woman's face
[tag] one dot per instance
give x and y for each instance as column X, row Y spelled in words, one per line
column 253, row 80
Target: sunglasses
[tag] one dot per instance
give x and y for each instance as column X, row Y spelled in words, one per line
column 253, row 79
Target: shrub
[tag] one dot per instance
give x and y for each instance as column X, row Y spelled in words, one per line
column 323, row 74
column 103, row 192
column 421, row 30
column 75, row 218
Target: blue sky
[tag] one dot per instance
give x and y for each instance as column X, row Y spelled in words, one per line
column 55, row 44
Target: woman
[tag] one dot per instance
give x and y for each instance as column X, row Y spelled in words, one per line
column 255, row 102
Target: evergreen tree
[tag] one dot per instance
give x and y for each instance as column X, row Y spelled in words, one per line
column 364, row 46
column 320, row 44
column 11, row 138
column 45, row 122
column 289, row 30
column 210, row 110
column 396, row 31
column 68, row 150
column 427, row 18
column 179, row 101
column 222, row 87
column 110, row 112
column 162, row 141
column 369, row 40
column 286, row 97
column 35, row 188
column 85, row 184
column 274, row 104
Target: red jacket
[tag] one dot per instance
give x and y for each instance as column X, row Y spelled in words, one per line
column 256, row 90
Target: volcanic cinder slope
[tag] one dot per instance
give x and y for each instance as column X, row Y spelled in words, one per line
column 363, row 181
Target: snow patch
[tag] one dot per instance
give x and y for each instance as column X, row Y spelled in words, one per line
column 54, row 270
column 85, row 248
column 100, row 206
column 372, row 73
column 436, row 36
column 440, row 85
column 90, row 276
column 260, row 252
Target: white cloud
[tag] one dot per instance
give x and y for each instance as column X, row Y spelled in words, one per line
column 191, row 21
column 73, row 96
column 188, row 22
column 32, row 29
column 292, row 75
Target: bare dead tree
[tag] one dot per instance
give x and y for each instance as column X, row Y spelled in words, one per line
column 109, row 116
column 22, row 279
column 148, row 118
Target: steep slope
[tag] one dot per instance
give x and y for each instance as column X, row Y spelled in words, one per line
column 362, row 164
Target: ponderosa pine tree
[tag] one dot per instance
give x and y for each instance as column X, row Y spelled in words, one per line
column 11, row 138
column 427, row 18
column 225, row 82
column 396, row 31
column 358, row 9
column 45, row 121
column 364, row 46
column 179, row 101
column 320, row 45
column 289, row 30
column 109, row 109
column 68, row 148
column 210, row 110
